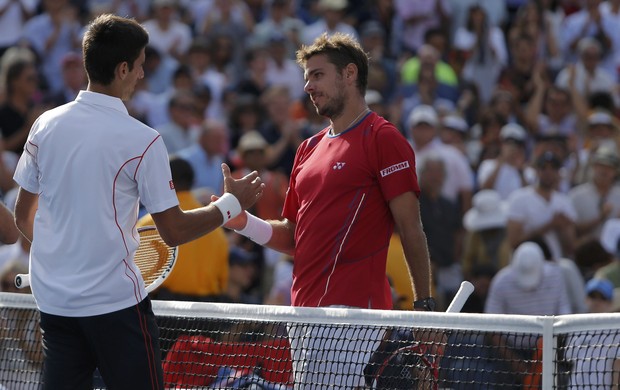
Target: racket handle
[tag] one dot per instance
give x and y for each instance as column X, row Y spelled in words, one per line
column 461, row 297
column 22, row 280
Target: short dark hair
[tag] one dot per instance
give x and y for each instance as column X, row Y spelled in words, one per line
column 109, row 41
column 182, row 173
column 341, row 50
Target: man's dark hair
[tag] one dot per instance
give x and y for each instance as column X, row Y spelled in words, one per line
column 341, row 50
column 182, row 173
column 109, row 41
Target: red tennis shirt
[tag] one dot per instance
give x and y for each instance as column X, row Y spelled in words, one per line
column 338, row 197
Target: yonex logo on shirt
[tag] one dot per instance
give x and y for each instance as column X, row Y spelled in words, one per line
column 394, row 168
column 171, row 184
column 338, row 165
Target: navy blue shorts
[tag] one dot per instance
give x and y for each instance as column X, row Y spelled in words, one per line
column 124, row 345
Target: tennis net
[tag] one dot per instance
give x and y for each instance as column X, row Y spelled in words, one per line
column 209, row 345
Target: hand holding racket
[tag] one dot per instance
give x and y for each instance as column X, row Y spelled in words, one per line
column 154, row 258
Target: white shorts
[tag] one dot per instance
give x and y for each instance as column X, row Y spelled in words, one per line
column 331, row 356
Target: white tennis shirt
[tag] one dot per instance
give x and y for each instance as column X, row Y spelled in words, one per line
column 91, row 163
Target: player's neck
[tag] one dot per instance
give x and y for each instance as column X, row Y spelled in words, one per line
column 349, row 118
column 109, row 90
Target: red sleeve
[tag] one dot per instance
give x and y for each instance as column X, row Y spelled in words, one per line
column 395, row 163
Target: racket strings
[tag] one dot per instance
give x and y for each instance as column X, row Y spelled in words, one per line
column 152, row 256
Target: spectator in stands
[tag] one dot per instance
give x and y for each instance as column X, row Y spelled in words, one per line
column 19, row 110
column 8, row 231
column 540, row 210
column 280, row 21
column 201, row 271
column 590, row 256
column 74, row 80
column 610, row 238
column 509, row 171
column 485, row 242
column 427, row 90
column 158, row 70
column 281, row 69
column 589, row 75
column 254, row 80
column 533, row 20
column 553, row 110
column 598, row 199
column 486, row 140
column 382, row 75
column 484, row 46
column 253, row 151
column 601, row 130
column 600, row 295
column 206, row 156
column 182, row 129
column 495, row 9
column 455, row 131
column 591, row 24
column 444, row 73
column 91, row 156
column 330, row 21
column 230, row 17
column 138, row 9
column 168, row 35
column 575, row 284
column 13, row 16
column 423, row 126
column 281, row 130
column 441, row 219
column 242, row 271
column 516, row 77
column 528, row 286
column 418, row 16
column 52, row 34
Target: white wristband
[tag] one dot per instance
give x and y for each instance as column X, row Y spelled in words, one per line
column 257, row 230
column 229, row 206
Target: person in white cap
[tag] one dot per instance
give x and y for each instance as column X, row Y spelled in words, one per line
column 598, row 199
column 509, row 171
column 528, row 286
column 423, row 124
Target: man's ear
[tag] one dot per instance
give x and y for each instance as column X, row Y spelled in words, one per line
column 350, row 72
column 122, row 69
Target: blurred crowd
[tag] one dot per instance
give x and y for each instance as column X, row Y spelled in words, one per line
column 510, row 105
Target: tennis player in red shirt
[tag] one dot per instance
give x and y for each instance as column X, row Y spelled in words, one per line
column 350, row 184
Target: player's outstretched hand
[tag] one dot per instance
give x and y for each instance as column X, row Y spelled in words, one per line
column 247, row 190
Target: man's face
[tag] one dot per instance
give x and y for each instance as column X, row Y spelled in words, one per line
column 136, row 73
column 548, row 176
column 325, row 86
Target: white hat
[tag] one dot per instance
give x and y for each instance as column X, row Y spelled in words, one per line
column 252, row 140
column 423, row 114
column 528, row 262
column 600, row 118
column 610, row 233
column 455, row 122
column 335, row 5
column 514, row 132
column 488, row 212
column 373, row 97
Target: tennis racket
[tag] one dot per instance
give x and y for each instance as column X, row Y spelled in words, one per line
column 402, row 362
column 154, row 258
